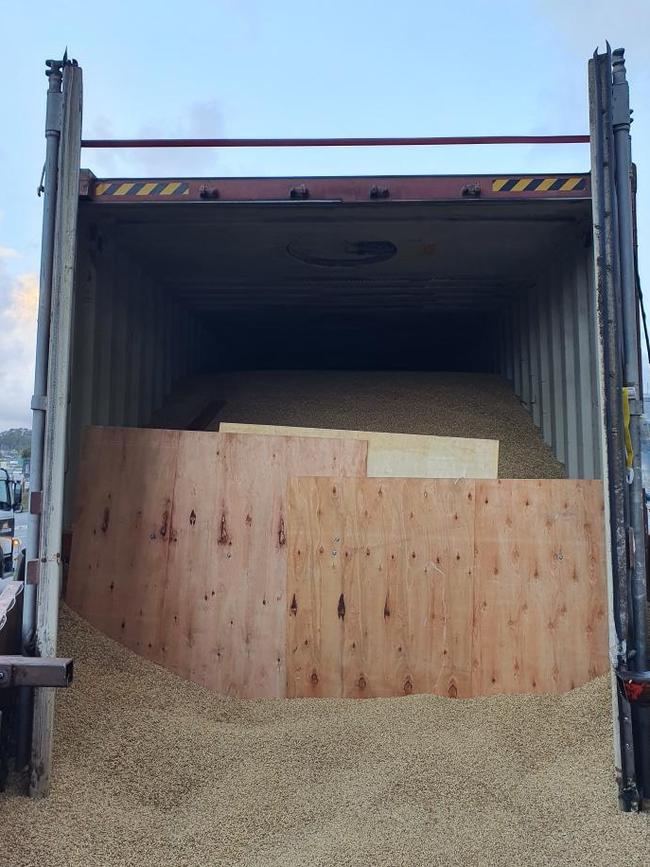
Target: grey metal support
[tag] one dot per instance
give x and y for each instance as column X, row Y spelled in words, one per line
column 557, row 361
column 134, row 346
column 503, row 340
column 81, row 382
column 507, row 329
column 159, row 388
column 147, row 325
column 515, row 330
column 535, row 357
column 585, row 368
column 168, row 305
column 596, row 408
column 53, row 123
column 546, row 368
column 103, row 332
column 621, row 117
column 572, row 444
column 119, row 366
column 524, row 345
column 63, row 266
column 610, row 380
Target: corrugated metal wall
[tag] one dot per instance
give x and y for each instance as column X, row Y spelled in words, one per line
column 546, row 347
column 132, row 342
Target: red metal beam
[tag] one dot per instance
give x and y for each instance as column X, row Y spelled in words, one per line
column 343, row 189
column 330, row 142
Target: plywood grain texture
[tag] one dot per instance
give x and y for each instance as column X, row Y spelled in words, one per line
column 190, row 570
column 456, row 588
column 380, row 579
column 122, row 529
column 540, row 615
column 403, row 455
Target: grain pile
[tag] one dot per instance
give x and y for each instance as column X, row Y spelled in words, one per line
column 151, row 770
column 444, row 404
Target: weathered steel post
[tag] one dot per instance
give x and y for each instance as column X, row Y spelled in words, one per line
column 47, row 569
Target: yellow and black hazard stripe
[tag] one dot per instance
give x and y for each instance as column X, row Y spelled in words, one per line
column 538, row 185
column 142, row 188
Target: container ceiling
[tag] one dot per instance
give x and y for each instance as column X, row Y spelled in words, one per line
column 219, row 256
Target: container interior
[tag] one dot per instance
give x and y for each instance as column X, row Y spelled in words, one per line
column 472, row 318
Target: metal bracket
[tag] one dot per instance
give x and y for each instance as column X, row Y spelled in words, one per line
column 472, row 191
column 206, row 192
column 379, row 192
column 621, row 114
column 35, row 502
column 35, row 671
column 299, row 192
column 39, row 401
column 32, row 572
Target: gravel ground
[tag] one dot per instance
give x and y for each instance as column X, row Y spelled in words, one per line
column 153, row 771
column 446, row 404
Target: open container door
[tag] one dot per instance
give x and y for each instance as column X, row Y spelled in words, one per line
column 50, row 401
column 621, row 394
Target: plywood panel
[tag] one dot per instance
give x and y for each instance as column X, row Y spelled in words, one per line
column 380, row 578
column 403, row 455
column 540, row 596
column 121, row 532
column 208, row 553
column 191, row 569
column 456, row 588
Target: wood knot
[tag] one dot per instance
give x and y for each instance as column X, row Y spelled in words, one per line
column 314, row 678
column 293, row 608
column 224, row 538
column 341, row 607
column 192, row 518
column 165, row 523
column 408, row 686
column 361, row 683
column 282, row 534
column 106, row 519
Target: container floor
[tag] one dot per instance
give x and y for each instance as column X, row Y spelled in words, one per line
column 152, row 770
column 443, row 404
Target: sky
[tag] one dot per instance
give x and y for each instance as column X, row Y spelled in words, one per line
column 249, row 68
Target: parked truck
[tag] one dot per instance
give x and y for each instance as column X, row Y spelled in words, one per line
column 11, row 494
column 147, row 283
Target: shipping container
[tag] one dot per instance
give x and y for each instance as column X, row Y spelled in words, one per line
column 394, row 303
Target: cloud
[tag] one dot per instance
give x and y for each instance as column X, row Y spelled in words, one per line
column 19, row 304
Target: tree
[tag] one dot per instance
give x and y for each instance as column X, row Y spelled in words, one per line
column 15, row 439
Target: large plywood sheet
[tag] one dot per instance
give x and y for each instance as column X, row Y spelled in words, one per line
column 403, row 455
column 380, row 579
column 540, row 607
column 190, row 568
column 457, row 588
column 122, row 529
